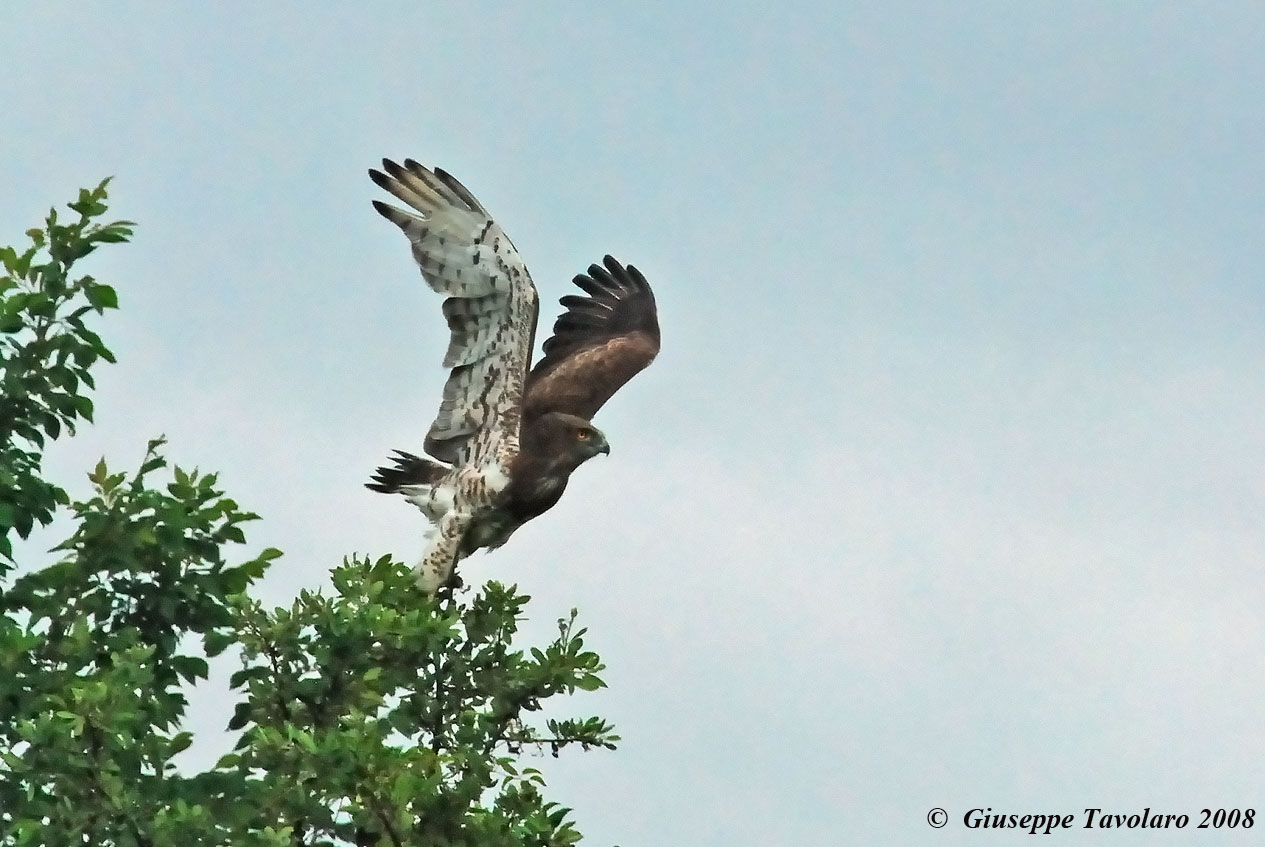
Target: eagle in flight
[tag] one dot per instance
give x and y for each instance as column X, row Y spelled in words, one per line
column 508, row 433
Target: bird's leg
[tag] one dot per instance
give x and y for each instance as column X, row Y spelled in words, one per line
column 449, row 589
column 453, row 585
column 438, row 565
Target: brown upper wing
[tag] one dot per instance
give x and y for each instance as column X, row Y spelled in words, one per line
column 599, row 343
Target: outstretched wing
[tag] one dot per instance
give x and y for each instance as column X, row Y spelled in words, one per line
column 599, row 343
column 491, row 310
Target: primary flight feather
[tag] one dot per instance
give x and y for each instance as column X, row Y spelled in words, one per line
column 508, row 435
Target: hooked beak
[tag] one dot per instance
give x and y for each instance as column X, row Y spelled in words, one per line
column 605, row 448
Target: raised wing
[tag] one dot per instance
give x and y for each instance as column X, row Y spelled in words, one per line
column 599, row 343
column 491, row 310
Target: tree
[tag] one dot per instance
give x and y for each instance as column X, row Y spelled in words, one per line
column 373, row 716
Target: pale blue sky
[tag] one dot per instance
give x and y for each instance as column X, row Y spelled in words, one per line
column 946, row 489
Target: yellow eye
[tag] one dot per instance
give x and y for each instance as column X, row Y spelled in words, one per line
column 582, row 434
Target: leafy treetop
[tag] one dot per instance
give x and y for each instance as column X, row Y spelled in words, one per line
column 372, row 716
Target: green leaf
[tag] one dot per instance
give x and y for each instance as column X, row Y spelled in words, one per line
column 180, row 741
column 216, row 643
column 241, row 716
column 190, row 667
column 102, row 297
column 115, row 232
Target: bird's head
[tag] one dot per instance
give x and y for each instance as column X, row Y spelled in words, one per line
column 591, row 441
column 572, row 438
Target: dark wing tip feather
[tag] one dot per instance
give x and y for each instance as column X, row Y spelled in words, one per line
column 578, row 321
column 634, row 276
column 396, row 216
column 598, row 343
column 587, row 305
column 454, row 185
column 619, row 299
column 614, row 279
column 599, row 274
column 590, row 286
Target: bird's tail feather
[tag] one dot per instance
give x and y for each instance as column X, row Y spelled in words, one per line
column 409, row 472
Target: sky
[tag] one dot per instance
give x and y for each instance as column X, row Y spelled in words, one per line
column 946, row 488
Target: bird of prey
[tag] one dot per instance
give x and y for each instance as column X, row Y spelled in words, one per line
column 508, row 434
